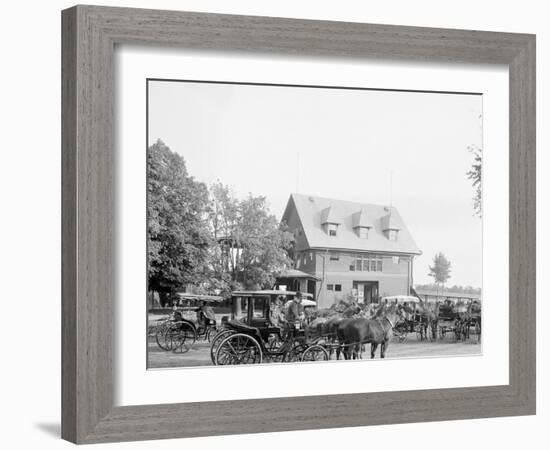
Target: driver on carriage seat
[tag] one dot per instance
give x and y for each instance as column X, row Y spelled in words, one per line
column 205, row 315
column 295, row 314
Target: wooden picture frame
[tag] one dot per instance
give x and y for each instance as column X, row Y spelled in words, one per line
column 90, row 34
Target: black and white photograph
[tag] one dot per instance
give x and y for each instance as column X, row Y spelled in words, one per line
column 291, row 224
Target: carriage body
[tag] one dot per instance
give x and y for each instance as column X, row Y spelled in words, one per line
column 179, row 331
column 254, row 334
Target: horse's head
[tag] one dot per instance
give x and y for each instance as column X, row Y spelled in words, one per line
column 394, row 313
column 407, row 312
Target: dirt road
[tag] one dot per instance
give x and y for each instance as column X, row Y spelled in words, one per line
column 199, row 354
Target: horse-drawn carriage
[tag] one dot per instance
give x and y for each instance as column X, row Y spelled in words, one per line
column 430, row 320
column 414, row 319
column 192, row 319
column 460, row 319
column 258, row 332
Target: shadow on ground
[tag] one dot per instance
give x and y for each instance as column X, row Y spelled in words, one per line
column 53, row 429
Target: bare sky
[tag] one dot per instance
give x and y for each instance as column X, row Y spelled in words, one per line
column 343, row 144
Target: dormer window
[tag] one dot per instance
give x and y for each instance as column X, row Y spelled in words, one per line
column 392, row 235
column 391, row 224
column 361, row 223
column 330, row 221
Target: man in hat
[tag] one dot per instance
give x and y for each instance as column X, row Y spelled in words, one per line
column 295, row 312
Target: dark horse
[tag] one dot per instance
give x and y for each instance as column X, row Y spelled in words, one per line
column 353, row 333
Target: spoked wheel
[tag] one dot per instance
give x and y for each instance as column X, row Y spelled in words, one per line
column 295, row 353
column 238, row 348
column 160, row 336
column 400, row 331
column 183, row 335
column 216, row 341
column 315, row 353
column 211, row 332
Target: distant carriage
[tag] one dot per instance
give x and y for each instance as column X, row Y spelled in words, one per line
column 187, row 324
column 460, row 319
column 414, row 321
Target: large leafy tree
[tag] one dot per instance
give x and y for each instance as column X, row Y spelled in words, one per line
column 178, row 231
column 474, row 174
column 440, row 270
column 252, row 245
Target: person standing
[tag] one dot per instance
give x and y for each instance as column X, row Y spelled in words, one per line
column 295, row 312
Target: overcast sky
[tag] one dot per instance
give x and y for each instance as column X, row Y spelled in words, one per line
column 337, row 143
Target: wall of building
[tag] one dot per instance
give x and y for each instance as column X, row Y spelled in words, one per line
column 393, row 279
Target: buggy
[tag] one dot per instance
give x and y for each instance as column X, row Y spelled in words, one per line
column 192, row 321
column 258, row 333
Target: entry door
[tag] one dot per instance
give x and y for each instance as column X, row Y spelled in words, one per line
column 371, row 291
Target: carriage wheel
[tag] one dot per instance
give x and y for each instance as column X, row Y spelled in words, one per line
column 183, row 336
column 160, row 337
column 216, row 341
column 295, row 353
column 238, row 348
column 211, row 332
column 315, row 353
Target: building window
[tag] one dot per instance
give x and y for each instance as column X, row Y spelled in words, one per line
column 330, row 287
column 352, row 267
column 334, row 257
column 367, row 263
column 332, row 229
column 395, row 259
column 338, row 287
column 392, row 235
column 363, row 232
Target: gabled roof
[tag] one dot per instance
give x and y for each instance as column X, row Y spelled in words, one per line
column 361, row 219
column 391, row 222
column 329, row 215
column 310, row 212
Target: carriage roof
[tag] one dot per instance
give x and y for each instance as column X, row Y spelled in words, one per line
column 200, row 297
column 402, row 299
column 267, row 292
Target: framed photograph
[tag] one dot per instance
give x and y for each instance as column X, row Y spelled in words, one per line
column 299, row 224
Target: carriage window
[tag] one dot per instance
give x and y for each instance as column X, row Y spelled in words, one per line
column 330, row 287
column 259, row 308
column 338, row 287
